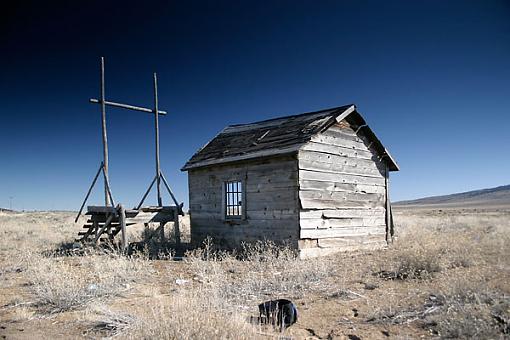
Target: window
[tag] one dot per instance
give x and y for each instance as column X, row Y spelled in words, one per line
column 233, row 199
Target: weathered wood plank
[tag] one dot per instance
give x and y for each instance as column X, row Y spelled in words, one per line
column 340, row 196
column 346, row 213
column 261, row 164
column 341, row 222
column 282, row 214
column 336, row 186
column 341, row 178
column 271, row 196
column 269, row 206
column 317, row 204
column 262, row 153
column 271, row 186
column 262, row 228
column 338, row 150
column 359, row 231
column 276, row 176
column 316, row 156
column 342, row 142
column 347, row 134
column 250, row 205
column 237, row 230
column 339, row 168
column 93, row 209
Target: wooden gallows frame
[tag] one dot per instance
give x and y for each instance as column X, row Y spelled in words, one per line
column 104, row 164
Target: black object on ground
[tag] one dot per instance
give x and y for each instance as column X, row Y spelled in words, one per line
column 280, row 312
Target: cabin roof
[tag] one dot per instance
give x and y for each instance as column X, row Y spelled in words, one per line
column 279, row 136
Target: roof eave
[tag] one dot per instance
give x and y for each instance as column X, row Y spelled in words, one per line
column 245, row 157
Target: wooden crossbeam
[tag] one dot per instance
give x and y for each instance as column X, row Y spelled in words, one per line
column 127, row 106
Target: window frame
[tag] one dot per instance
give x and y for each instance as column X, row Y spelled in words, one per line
column 242, row 193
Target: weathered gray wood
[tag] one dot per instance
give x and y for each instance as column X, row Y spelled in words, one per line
column 280, row 136
column 316, row 185
column 156, row 137
column 341, row 178
column 107, row 223
column 93, row 209
column 319, row 204
column 341, row 213
column 271, row 187
column 107, row 194
column 338, row 150
column 338, row 183
column 170, row 192
column 342, row 133
column 253, row 184
column 166, row 209
column 122, row 222
column 262, row 153
column 126, row 106
column 177, row 231
column 206, row 187
column 317, row 156
column 266, row 174
column 146, row 193
column 240, row 226
column 392, row 225
column 274, row 214
column 340, row 196
column 88, row 192
column 107, row 185
column 387, row 199
column 332, row 223
column 250, row 205
column 352, row 231
column 163, row 216
column 339, row 168
column 342, row 142
column 96, row 229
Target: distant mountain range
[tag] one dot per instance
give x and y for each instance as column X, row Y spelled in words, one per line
column 493, row 197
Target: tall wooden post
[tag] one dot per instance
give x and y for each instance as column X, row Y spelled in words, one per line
column 156, row 125
column 122, row 221
column 387, row 205
column 105, row 139
column 177, row 229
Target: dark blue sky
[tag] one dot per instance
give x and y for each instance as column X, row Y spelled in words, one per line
column 432, row 78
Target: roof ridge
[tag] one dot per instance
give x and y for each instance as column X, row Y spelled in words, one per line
column 292, row 116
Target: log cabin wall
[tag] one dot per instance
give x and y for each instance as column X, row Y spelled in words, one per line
column 270, row 200
column 342, row 191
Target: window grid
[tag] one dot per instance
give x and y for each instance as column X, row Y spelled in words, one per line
column 233, row 197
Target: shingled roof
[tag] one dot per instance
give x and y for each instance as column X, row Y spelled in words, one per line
column 278, row 136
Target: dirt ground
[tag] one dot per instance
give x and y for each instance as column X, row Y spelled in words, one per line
column 447, row 275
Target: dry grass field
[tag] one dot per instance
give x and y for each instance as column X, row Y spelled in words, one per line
column 447, row 275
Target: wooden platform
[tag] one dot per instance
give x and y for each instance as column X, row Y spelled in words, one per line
column 106, row 222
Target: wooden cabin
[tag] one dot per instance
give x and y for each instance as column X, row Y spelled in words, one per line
column 318, row 182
